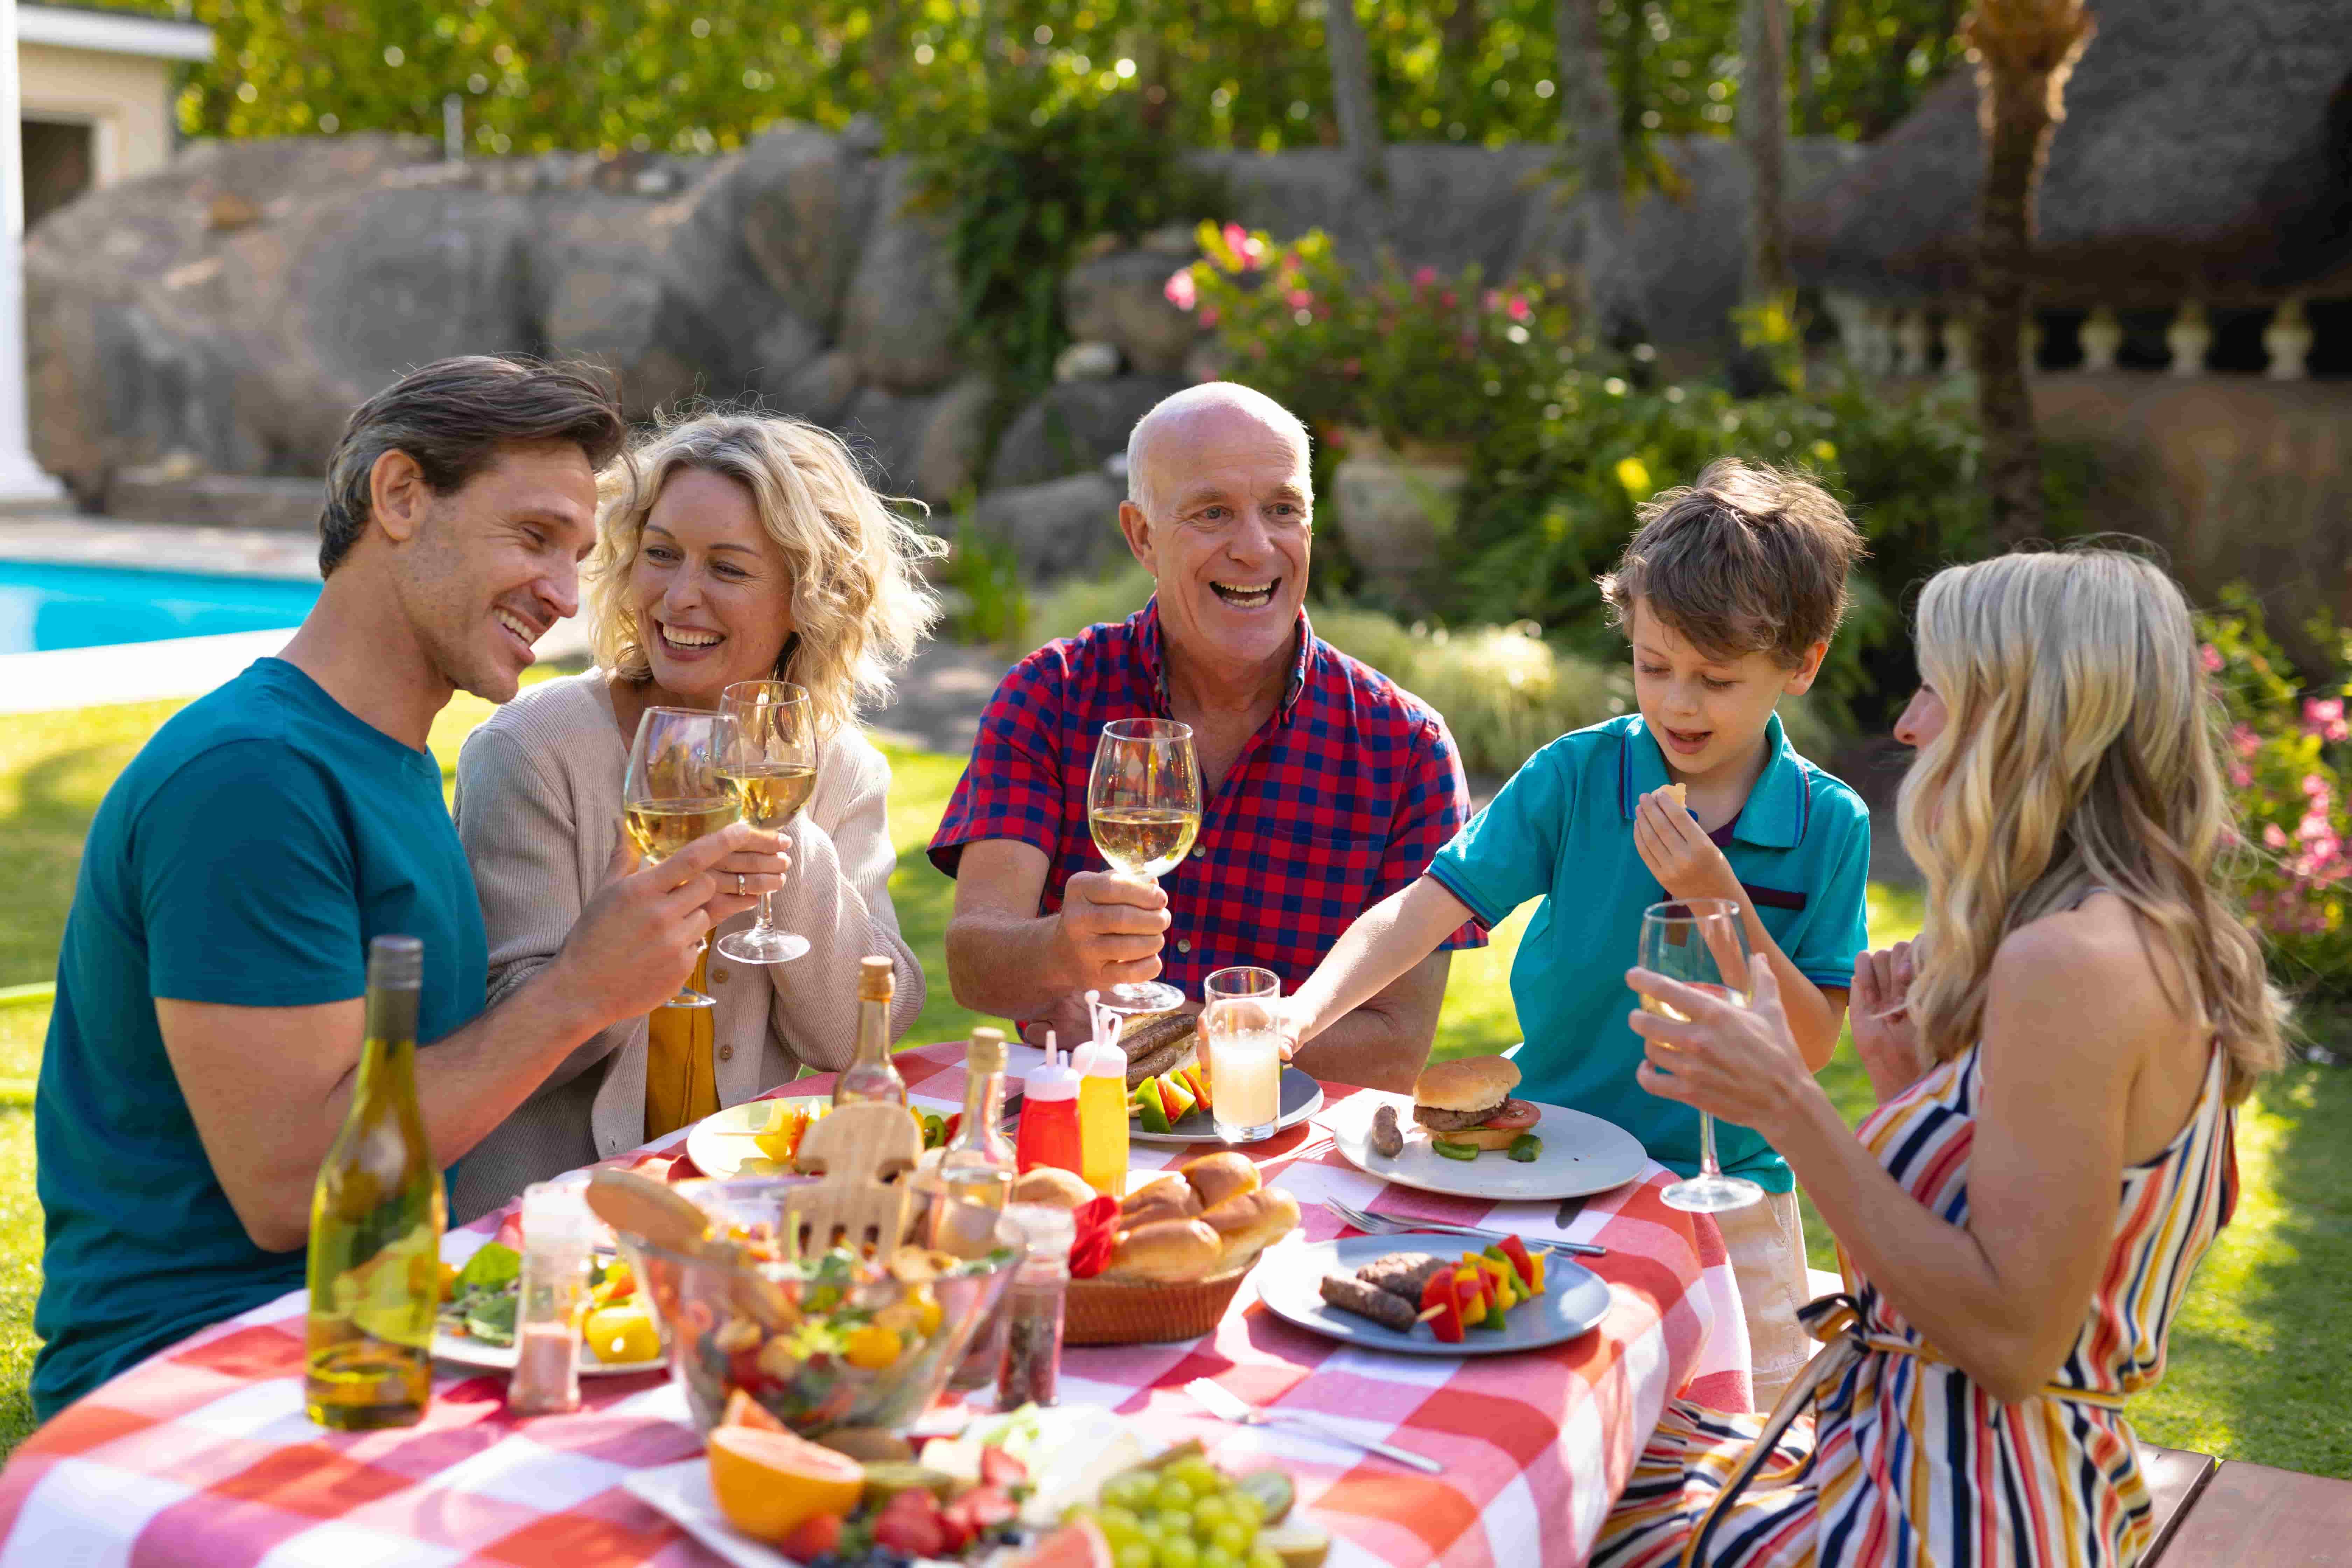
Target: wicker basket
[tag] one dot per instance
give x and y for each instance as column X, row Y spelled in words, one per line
column 1115, row 1312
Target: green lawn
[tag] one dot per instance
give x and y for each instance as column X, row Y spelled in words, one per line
column 2258, row 1372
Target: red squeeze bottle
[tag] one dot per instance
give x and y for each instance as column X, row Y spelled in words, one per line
column 1049, row 1117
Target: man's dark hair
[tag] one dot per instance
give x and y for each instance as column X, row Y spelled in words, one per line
column 1749, row 560
column 452, row 417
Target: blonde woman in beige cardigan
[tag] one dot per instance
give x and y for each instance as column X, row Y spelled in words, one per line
column 730, row 547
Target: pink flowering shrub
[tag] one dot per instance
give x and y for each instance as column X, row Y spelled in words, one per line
column 1421, row 358
column 2287, row 752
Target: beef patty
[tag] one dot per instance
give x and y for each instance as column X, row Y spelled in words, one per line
column 1457, row 1120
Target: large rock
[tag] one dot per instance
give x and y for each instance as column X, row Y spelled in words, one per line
column 1121, row 300
column 1060, row 528
column 900, row 317
column 1074, row 428
column 807, row 199
column 230, row 310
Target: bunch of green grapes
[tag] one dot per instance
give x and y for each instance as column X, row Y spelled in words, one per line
column 1190, row 1515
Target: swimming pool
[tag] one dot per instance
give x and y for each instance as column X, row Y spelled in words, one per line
column 44, row 606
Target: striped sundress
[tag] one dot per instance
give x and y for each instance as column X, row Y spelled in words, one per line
column 1887, row 1453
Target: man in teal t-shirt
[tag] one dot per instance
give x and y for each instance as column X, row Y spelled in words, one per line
column 208, row 1017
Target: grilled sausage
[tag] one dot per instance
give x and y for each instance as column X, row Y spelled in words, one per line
column 1388, row 1138
column 1350, row 1294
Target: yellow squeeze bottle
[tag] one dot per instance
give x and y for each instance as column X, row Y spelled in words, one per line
column 1102, row 1116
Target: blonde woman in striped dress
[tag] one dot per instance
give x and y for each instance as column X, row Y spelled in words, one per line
column 2056, row 1059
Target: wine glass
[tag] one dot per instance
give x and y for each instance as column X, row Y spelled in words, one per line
column 1703, row 944
column 1243, row 1052
column 1143, row 807
column 674, row 794
column 769, row 757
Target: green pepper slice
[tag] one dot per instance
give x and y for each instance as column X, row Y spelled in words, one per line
column 1456, row 1150
column 1524, row 1148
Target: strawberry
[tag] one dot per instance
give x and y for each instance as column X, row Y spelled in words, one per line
column 817, row 1537
column 1001, row 1469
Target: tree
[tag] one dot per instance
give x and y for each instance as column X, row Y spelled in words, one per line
column 1353, row 98
column 2024, row 51
column 1764, row 134
column 1589, row 123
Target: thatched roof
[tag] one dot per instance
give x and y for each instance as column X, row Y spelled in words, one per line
column 2206, row 150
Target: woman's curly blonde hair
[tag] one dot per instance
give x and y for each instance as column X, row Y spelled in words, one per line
column 2081, row 752
column 858, row 605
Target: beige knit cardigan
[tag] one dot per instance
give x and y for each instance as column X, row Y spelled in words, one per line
column 539, row 811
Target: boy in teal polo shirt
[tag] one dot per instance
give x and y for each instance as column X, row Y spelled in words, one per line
column 1728, row 596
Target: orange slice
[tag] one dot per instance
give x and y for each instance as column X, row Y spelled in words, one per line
column 743, row 1410
column 769, row 1483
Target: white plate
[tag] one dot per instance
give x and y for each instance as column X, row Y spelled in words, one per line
column 1582, row 1153
column 1289, row 1280
column 682, row 1493
column 1302, row 1097
column 464, row 1351
column 721, row 1142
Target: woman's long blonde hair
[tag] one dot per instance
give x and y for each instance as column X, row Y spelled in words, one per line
column 2081, row 753
column 858, row 606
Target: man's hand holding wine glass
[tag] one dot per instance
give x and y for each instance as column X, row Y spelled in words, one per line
column 1112, row 928
column 637, row 939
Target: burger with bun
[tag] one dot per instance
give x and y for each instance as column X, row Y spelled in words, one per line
column 1468, row 1101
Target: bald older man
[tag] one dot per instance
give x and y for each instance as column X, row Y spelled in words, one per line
column 1325, row 787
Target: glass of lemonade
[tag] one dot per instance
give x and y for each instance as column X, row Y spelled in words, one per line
column 1143, row 807
column 674, row 793
column 1243, row 1052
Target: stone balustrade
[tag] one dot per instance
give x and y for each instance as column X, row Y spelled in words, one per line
column 1892, row 340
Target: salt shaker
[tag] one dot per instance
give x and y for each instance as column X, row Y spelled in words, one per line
column 558, row 1233
column 1032, row 1307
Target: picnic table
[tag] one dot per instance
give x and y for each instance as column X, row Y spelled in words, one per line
column 202, row 1455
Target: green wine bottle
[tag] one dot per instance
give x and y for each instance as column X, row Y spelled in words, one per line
column 376, row 1218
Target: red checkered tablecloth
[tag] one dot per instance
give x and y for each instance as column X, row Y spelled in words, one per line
column 202, row 1455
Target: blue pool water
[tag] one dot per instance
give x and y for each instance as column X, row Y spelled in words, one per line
column 44, row 606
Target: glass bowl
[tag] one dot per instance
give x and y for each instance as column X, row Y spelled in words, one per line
column 851, row 1344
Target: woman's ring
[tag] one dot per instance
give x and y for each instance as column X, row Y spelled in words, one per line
column 739, row 884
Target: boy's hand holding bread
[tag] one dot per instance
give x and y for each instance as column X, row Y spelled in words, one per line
column 1677, row 851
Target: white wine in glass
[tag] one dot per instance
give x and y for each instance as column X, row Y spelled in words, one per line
column 674, row 793
column 1703, row 944
column 769, row 755
column 1143, row 807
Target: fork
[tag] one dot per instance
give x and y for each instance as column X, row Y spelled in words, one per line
column 1222, row 1403
column 1390, row 1225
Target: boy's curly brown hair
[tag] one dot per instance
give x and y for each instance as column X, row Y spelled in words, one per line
column 1748, row 560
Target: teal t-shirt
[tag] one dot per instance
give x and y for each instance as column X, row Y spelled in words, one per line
column 247, row 856
column 1562, row 831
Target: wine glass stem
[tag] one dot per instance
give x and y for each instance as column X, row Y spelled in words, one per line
column 767, row 914
column 1707, row 1166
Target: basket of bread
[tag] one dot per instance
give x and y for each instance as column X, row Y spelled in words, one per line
column 1177, row 1250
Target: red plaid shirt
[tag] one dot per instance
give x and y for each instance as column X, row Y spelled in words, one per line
column 1344, row 797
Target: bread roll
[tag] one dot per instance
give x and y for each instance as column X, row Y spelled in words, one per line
column 1164, row 1197
column 1219, row 1176
column 1052, row 1185
column 1249, row 1224
column 1466, row 1083
column 1169, row 1251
